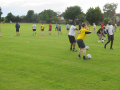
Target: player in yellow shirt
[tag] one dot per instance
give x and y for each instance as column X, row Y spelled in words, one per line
column 80, row 38
column 42, row 28
column 89, row 26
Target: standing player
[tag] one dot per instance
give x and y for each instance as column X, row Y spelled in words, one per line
column 71, row 36
column 100, row 33
column 34, row 28
column 59, row 29
column 110, row 35
column 0, row 32
column 56, row 27
column 80, row 39
column 67, row 27
column 79, row 27
column 50, row 28
column 42, row 29
column 94, row 27
column 89, row 26
column 17, row 26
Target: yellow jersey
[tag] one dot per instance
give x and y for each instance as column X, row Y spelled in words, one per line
column 42, row 26
column 89, row 26
column 82, row 33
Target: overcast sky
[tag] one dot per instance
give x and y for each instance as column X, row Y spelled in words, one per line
column 20, row 7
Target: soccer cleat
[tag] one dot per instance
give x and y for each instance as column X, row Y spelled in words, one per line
column 74, row 50
column 99, row 41
column 71, row 49
column 85, row 59
column 111, row 48
column 79, row 57
column 105, row 46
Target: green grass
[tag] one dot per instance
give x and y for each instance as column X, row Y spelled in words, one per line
column 46, row 63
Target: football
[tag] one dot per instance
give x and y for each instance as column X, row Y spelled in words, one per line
column 102, row 41
column 89, row 56
column 87, row 47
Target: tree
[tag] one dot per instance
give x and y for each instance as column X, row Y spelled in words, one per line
column 72, row 12
column 51, row 13
column 44, row 15
column 106, row 20
column 81, row 17
column 0, row 13
column 94, row 15
column 30, row 15
column 98, row 15
column 109, row 10
column 90, row 15
column 9, row 17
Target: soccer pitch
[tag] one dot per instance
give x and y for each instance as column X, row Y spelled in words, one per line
column 45, row 62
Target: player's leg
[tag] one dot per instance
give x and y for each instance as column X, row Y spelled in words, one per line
column 74, row 43
column 18, row 33
column 68, row 31
column 61, row 32
column 71, row 45
column 71, row 42
column 74, row 46
column 109, row 39
column 80, row 49
column 58, row 32
column 112, row 38
column 84, row 54
column 79, row 52
column 35, row 32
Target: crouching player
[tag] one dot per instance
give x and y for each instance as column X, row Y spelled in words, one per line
column 100, row 34
column 80, row 41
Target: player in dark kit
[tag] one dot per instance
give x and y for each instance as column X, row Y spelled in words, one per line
column 100, row 33
column 17, row 26
column 110, row 35
column 71, row 36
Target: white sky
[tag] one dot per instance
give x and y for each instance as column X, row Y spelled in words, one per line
column 21, row 7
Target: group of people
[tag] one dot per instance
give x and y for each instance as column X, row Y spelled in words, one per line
column 80, row 38
column 109, row 31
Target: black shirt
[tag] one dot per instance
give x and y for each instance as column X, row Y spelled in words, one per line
column 79, row 26
column 99, row 30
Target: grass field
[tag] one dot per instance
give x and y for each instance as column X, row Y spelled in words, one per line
column 46, row 63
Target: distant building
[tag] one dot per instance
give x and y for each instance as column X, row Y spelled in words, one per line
column 117, row 17
column 61, row 16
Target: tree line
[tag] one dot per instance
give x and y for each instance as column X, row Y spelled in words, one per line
column 73, row 13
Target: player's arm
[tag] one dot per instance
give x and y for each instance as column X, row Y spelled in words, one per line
column 87, row 32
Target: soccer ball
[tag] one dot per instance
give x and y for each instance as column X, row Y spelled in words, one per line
column 87, row 47
column 89, row 56
column 102, row 41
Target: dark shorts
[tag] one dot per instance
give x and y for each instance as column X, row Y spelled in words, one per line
column 50, row 29
column 59, row 30
column 99, row 35
column 80, row 44
column 17, row 29
column 71, row 39
column 42, row 29
column 34, row 29
column 67, row 28
column 111, row 37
